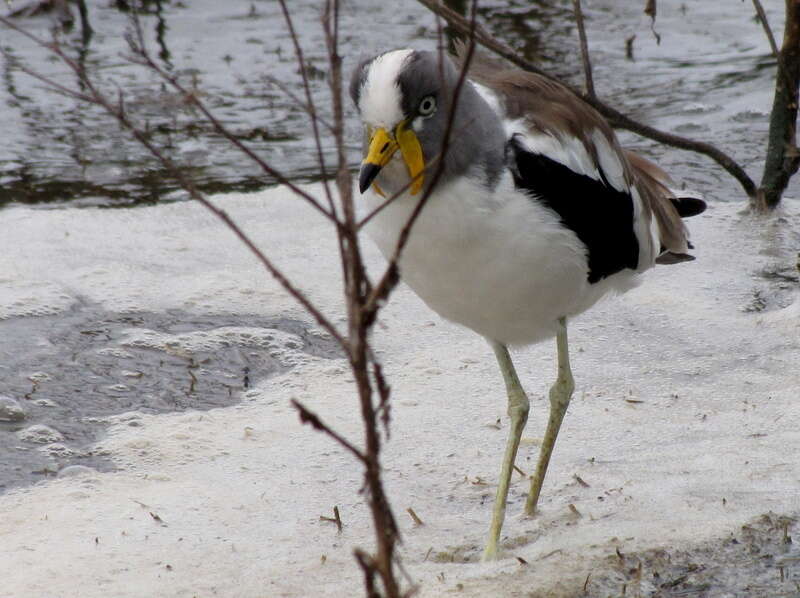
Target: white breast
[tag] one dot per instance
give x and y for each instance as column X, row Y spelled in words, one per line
column 498, row 263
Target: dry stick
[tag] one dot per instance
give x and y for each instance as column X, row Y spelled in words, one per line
column 117, row 110
column 587, row 63
column 617, row 119
column 357, row 287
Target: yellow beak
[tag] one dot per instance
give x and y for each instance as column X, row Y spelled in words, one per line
column 382, row 147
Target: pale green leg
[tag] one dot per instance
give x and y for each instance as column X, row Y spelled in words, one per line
column 518, row 411
column 560, row 394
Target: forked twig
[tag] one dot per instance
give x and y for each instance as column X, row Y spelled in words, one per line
column 142, row 56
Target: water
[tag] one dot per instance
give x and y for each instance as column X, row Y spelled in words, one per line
column 60, row 150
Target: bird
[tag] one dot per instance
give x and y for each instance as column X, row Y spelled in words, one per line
column 530, row 214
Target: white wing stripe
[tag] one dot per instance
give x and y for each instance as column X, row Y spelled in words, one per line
column 609, row 161
column 568, row 151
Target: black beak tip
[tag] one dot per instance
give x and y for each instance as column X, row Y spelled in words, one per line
column 367, row 175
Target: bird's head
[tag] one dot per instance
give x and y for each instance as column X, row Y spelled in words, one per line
column 404, row 98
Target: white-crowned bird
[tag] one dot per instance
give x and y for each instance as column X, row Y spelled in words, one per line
column 538, row 212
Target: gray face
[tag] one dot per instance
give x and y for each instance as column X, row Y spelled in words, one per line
column 427, row 82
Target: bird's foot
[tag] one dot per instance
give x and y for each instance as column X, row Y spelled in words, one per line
column 490, row 552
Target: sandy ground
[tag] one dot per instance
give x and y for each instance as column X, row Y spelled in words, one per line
column 683, row 428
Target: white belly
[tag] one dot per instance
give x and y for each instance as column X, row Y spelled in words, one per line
column 500, row 264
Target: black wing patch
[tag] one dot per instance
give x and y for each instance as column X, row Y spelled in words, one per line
column 600, row 216
column 688, row 206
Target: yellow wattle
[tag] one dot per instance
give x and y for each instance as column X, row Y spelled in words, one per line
column 411, row 151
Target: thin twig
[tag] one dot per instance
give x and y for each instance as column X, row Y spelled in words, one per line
column 414, row 517
column 616, row 118
column 650, row 10
column 762, row 16
column 309, row 417
column 587, row 63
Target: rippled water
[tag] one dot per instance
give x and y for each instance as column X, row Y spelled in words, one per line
column 56, row 149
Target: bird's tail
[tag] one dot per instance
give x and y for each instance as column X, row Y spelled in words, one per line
column 669, row 206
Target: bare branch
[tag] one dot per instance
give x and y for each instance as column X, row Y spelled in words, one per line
column 587, row 64
column 309, row 417
column 616, row 118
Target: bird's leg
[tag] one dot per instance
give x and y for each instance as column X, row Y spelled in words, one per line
column 560, row 394
column 518, row 411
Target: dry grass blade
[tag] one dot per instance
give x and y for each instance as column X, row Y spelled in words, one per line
column 417, row 520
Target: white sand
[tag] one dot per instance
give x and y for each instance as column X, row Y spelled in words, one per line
column 239, row 491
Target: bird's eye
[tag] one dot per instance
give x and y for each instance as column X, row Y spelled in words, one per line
column 427, row 106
